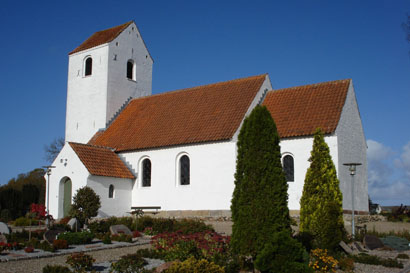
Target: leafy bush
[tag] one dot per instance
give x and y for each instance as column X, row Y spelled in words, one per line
column 121, row 238
column 150, row 253
column 161, row 225
column 346, row 264
column 80, row 262
column 56, row 269
column 60, row 244
column 103, row 226
column 77, row 238
column 86, row 204
column 402, row 256
column 321, row 261
column 371, row 259
column 282, row 254
column 136, row 234
column 194, row 265
column 24, row 221
column 176, row 245
column 106, row 239
column 128, row 264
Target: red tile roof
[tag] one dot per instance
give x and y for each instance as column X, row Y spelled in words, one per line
column 101, row 161
column 298, row 111
column 194, row 115
column 101, row 37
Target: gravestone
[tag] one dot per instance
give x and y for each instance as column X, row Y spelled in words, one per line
column 118, row 229
column 51, row 235
column 4, row 229
column 3, row 239
column 372, row 242
column 73, row 224
column 345, row 247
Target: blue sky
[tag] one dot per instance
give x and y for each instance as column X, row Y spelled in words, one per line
column 200, row 42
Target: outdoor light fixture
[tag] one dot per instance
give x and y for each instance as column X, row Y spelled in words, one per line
column 352, row 169
column 48, row 172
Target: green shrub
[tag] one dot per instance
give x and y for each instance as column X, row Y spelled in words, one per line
column 106, row 239
column 23, row 221
column 346, row 264
column 144, row 222
column 402, row 256
column 193, row 265
column 283, row 254
column 190, row 226
column 80, row 262
column 60, row 244
column 321, row 212
column 121, row 238
column 371, row 259
column 260, row 198
column 77, row 238
column 151, row 253
column 103, row 226
column 128, row 264
column 86, row 204
column 56, row 269
column 44, row 245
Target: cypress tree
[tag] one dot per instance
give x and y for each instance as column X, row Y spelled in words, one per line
column 260, row 199
column 321, row 213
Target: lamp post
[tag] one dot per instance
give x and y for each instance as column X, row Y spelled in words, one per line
column 48, row 172
column 352, row 169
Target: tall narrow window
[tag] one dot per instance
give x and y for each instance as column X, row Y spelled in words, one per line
column 146, row 173
column 88, row 66
column 289, row 168
column 111, row 191
column 130, row 70
column 184, row 170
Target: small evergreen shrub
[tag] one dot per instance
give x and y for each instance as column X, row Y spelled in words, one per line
column 129, row 264
column 193, row 265
column 160, row 225
column 106, row 239
column 121, row 238
column 60, row 244
column 282, row 255
column 371, row 259
column 24, row 221
column 86, row 204
column 80, row 262
column 77, row 238
column 321, row 261
column 402, row 256
column 346, row 264
column 151, row 253
column 56, row 269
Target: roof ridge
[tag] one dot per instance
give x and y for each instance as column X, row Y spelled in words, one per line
column 199, row 86
column 312, row 85
column 91, row 145
column 83, row 46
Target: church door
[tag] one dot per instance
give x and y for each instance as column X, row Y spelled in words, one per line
column 67, row 197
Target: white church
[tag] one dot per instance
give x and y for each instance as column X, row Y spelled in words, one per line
column 177, row 150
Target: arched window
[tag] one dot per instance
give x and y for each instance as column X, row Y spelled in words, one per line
column 146, row 173
column 289, row 168
column 88, row 66
column 130, row 70
column 111, row 191
column 184, row 170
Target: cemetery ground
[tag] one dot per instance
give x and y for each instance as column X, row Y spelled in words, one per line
column 105, row 254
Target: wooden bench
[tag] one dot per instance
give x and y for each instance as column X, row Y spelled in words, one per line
column 139, row 211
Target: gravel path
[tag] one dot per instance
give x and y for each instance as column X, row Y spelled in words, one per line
column 36, row 265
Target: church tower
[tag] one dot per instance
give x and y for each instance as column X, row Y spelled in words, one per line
column 104, row 73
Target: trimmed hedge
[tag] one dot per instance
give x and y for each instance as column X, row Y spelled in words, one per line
column 77, row 238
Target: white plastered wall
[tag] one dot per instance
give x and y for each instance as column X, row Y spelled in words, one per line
column 212, row 168
column 352, row 149
column 120, row 204
column 299, row 149
column 67, row 165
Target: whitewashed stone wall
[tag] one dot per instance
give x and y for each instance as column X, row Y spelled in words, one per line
column 212, row 168
column 352, row 148
column 93, row 100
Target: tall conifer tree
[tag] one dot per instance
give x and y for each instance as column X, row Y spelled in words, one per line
column 260, row 199
column 321, row 212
